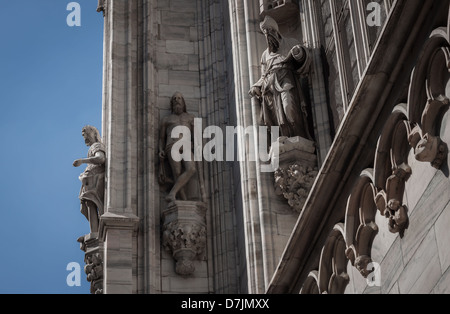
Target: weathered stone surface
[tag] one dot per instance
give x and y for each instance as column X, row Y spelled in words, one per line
column 395, row 289
column 174, row 61
column 179, row 46
column 443, row 286
column 372, row 290
column 383, row 241
column 359, row 282
column 391, row 267
column 416, row 185
column 427, row 211
column 190, row 92
column 350, row 289
column 289, row 150
column 184, row 78
column 442, row 238
column 423, row 270
column 183, row 5
column 185, row 19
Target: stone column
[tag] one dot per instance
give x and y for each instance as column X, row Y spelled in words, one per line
column 117, row 232
column 121, row 136
column 318, row 92
column 248, row 177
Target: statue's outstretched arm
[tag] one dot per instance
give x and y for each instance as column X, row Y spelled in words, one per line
column 98, row 159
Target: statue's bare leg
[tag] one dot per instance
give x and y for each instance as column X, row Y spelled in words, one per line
column 93, row 216
column 182, row 180
column 177, row 174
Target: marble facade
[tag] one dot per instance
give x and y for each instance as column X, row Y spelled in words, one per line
column 370, row 186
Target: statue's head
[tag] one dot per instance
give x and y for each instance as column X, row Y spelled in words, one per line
column 270, row 29
column 177, row 103
column 91, row 135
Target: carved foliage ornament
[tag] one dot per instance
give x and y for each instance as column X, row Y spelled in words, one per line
column 184, row 234
column 93, row 260
column 295, row 183
column 94, row 272
column 187, row 242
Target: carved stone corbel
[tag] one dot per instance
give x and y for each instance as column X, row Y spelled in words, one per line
column 362, row 263
column 296, row 171
column 359, row 254
column 94, row 261
column 427, row 145
column 428, row 148
column 294, row 183
column 184, row 234
column 389, row 202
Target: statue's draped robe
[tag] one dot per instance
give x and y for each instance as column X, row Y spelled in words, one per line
column 93, row 182
column 283, row 103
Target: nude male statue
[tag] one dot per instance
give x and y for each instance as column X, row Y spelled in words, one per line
column 183, row 171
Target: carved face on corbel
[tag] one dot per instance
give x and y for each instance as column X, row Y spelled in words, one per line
column 427, row 148
column 362, row 263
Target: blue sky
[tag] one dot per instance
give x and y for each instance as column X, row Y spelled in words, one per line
column 50, row 87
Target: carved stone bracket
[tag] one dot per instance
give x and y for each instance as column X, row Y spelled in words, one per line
column 94, row 261
column 389, row 202
column 296, row 171
column 184, row 234
column 295, row 183
column 428, row 147
column 360, row 226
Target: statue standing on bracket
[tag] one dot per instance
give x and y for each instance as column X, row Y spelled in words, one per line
column 93, row 178
column 279, row 90
column 182, row 171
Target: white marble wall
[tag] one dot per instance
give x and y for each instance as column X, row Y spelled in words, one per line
column 418, row 263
